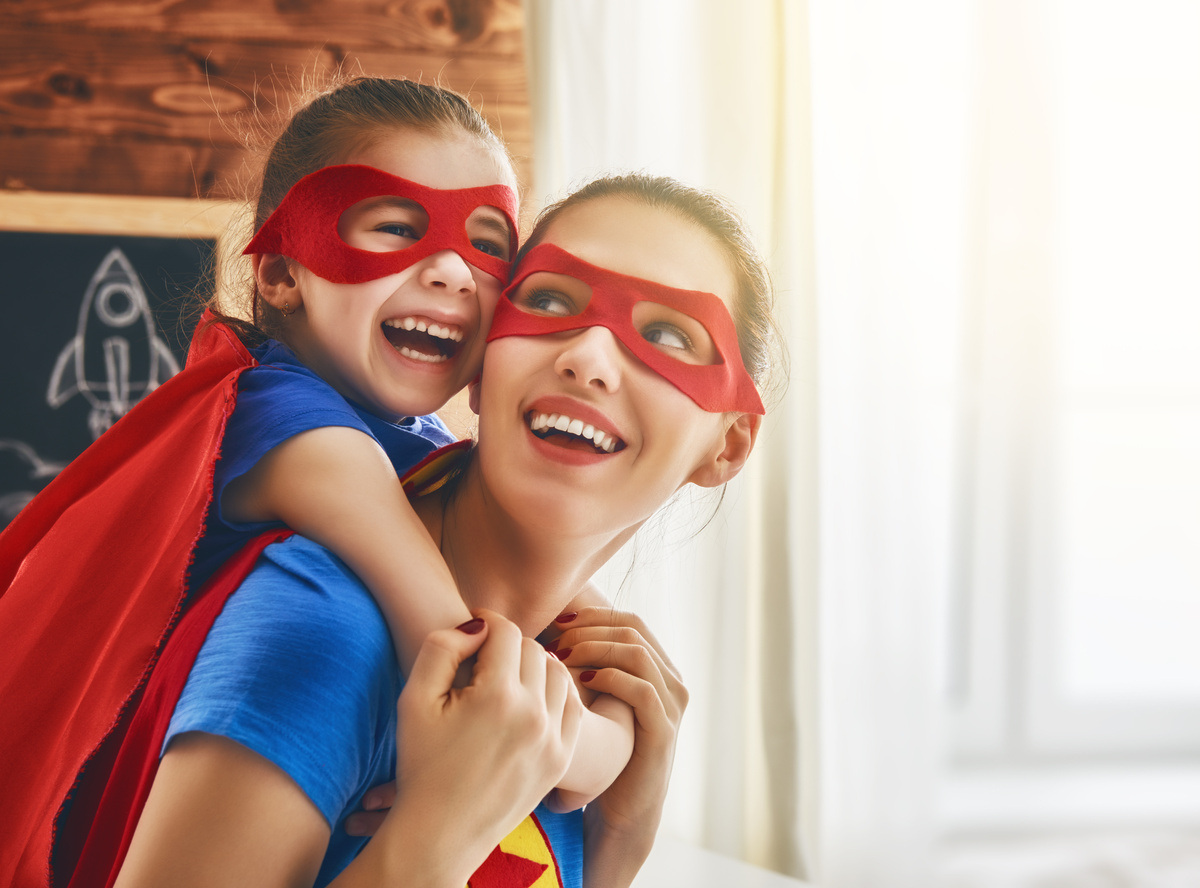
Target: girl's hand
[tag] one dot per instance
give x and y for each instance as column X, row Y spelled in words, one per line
column 486, row 753
column 623, row 658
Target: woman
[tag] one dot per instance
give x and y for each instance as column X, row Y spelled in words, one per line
column 614, row 375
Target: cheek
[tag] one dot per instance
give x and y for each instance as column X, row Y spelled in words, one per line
column 488, row 289
column 505, row 361
column 689, row 435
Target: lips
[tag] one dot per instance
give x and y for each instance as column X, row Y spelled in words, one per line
column 568, row 431
column 423, row 340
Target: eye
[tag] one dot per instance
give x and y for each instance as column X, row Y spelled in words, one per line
column 675, row 333
column 546, row 302
column 491, row 248
column 383, row 224
column 399, row 229
column 667, row 337
column 489, row 233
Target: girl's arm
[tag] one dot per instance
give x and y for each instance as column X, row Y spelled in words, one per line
column 606, row 741
column 471, row 763
column 629, row 664
column 603, row 750
column 336, row 486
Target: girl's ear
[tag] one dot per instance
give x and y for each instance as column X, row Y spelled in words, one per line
column 725, row 463
column 275, row 281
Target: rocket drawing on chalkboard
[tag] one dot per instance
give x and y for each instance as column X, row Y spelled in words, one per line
column 116, row 356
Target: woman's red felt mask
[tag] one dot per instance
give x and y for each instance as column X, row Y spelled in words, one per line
column 718, row 386
column 304, row 226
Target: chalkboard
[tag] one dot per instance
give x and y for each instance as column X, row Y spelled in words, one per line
column 93, row 320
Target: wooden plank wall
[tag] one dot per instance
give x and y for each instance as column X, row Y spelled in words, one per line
column 157, row 97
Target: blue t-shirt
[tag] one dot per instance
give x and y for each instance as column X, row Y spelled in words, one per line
column 300, row 668
column 278, row 399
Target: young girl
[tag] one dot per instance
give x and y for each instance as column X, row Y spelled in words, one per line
column 386, row 226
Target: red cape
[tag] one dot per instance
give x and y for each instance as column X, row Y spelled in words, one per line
column 92, row 580
column 108, row 801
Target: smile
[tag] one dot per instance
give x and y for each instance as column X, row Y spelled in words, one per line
column 546, row 425
column 422, row 340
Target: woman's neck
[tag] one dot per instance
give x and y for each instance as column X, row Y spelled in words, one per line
column 528, row 575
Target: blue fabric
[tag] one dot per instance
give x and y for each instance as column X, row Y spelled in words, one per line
column 278, row 399
column 299, row 667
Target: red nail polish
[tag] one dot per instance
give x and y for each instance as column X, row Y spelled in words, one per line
column 472, row 627
column 551, row 646
column 565, row 618
column 585, row 677
column 564, row 653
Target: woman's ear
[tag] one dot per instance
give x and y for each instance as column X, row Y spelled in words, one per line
column 276, row 284
column 473, row 393
column 725, row 463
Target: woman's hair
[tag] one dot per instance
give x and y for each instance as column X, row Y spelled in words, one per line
column 761, row 346
column 330, row 128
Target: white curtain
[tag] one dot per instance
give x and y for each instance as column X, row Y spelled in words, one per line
column 805, row 616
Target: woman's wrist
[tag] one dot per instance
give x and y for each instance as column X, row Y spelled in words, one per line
column 611, row 858
column 418, row 846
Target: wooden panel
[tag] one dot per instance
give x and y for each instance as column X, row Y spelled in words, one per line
column 156, row 98
column 140, row 85
column 98, row 165
column 481, row 26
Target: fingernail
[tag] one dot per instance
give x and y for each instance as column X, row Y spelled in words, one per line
column 565, row 618
column 563, row 654
column 371, row 802
column 352, row 828
column 551, row 646
column 472, row 627
column 587, row 676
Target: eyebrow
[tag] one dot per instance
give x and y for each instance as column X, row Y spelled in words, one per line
column 393, row 202
column 492, row 220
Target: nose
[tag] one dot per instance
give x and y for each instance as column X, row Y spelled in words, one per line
column 449, row 271
column 591, row 358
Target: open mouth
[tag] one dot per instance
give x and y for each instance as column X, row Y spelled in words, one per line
column 421, row 340
column 574, row 434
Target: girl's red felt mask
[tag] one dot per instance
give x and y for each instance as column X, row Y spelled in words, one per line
column 720, row 386
column 304, row 226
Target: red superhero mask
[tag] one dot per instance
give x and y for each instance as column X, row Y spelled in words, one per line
column 719, row 386
column 304, row 226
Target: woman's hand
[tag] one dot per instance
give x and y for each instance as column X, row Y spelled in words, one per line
column 623, row 658
column 485, row 754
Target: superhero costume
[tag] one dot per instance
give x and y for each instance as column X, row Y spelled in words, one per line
column 73, row 666
column 71, row 663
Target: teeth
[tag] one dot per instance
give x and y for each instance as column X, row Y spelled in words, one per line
column 577, row 427
column 421, row 356
column 435, row 330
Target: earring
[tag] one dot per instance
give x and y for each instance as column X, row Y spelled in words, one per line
column 287, row 310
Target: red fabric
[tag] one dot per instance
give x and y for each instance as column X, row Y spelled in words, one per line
column 109, row 801
column 614, row 297
column 304, row 226
column 504, row 870
column 92, row 578
column 102, row 837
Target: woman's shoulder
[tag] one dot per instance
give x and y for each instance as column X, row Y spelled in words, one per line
column 299, row 667
column 298, row 584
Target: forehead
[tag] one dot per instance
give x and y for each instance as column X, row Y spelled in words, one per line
column 652, row 243
column 436, row 159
